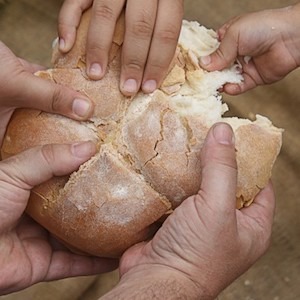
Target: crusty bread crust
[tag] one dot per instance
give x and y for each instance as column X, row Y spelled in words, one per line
column 149, row 146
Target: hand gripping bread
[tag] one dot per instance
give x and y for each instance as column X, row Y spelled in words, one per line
column 148, row 158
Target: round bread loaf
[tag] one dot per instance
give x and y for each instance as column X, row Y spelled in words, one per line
column 148, row 158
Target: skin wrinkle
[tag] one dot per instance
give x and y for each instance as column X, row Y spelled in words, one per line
column 166, row 36
column 174, row 283
column 48, row 155
column 70, row 265
column 165, row 255
column 8, row 245
column 27, row 249
column 194, row 231
column 142, row 28
column 104, row 12
column 5, row 117
column 197, row 199
column 95, row 48
column 290, row 52
column 13, row 180
column 257, row 220
column 16, row 271
column 248, row 239
column 4, row 212
column 177, row 249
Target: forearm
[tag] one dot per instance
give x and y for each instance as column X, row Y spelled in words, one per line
column 157, row 283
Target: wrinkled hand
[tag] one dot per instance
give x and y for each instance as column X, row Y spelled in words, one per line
column 152, row 30
column 270, row 38
column 28, row 254
column 20, row 88
column 206, row 243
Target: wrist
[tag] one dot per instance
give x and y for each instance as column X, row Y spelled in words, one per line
column 158, row 282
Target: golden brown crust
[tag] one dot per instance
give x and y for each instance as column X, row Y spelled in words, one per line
column 149, row 150
column 254, row 162
column 29, row 128
column 96, row 217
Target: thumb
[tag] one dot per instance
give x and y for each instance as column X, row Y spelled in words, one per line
column 30, row 67
column 225, row 55
column 219, row 171
column 20, row 173
column 36, row 165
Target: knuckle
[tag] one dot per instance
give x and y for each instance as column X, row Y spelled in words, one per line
column 56, row 99
column 64, row 27
column 226, row 162
column 158, row 65
column 221, row 58
column 134, row 64
column 6, row 165
column 103, row 11
column 48, row 154
column 142, row 28
column 96, row 47
column 179, row 5
column 168, row 35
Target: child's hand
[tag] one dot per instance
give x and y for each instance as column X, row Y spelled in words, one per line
column 152, row 31
column 266, row 43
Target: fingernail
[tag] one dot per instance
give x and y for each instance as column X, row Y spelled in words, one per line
column 61, row 44
column 205, row 60
column 149, row 86
column 130, row 86
column 223, row 134
column 55, row 42
column 81, row 107
column 83, row 149
column 95, row 70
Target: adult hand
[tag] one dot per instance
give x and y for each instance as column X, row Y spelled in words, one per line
column 270, row 39
column 20, row 88
column 28, row 254
column 152, row 31
column 206, row 243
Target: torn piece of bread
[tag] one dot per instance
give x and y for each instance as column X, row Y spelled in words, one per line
column 149, row 146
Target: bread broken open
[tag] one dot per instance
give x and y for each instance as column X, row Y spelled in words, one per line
column 149, row 146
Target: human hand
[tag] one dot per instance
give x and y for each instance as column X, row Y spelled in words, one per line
column 20, row 88
column 270, row 39
column 152, row 31
column 206, row 243
column 28, row 253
